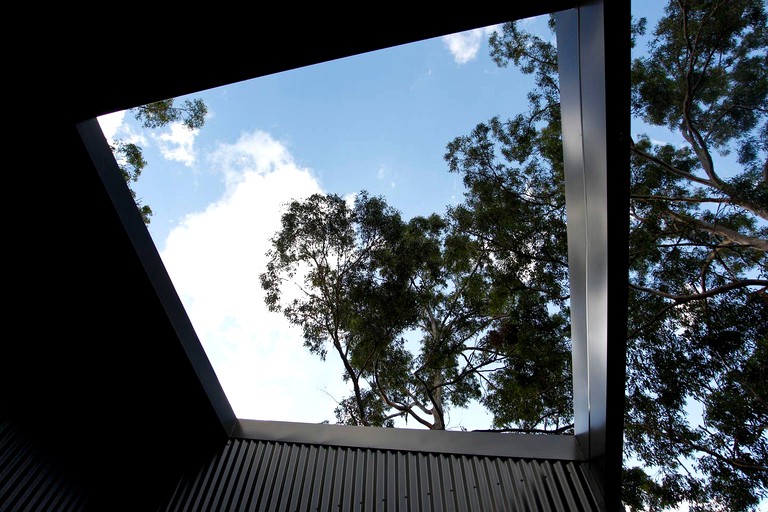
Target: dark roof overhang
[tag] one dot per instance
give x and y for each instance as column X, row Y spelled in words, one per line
column 104, row 371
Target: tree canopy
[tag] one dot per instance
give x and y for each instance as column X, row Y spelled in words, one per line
column 472, row 304
column 412, row 313
column 698, row 324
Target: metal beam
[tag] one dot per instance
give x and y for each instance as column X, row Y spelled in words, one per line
column 104, row 162
column 594, row 95
column 525, row 446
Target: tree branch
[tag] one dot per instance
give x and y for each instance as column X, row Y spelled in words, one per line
column 355, row 382
column 466, row 371
column 722, row 231
column 437, row 407
column 689, row 131
column 682, row 299
column 559, row 430
column 394, row 415
column 404, row 409
column 682, row 199
column 765, row 171
column 737, row 463
column 717, row 185
column 674, row 170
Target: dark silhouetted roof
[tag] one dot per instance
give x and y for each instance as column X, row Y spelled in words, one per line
column 105, row 386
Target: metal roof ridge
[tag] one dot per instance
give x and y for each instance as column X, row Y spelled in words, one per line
column 487, row 444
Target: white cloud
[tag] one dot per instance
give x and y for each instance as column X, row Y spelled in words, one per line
column 422, row 78
column 114, row 127
column 464, row 46
column 111, row 123
column 256, row 152
column 215, row 257
column 177, row 144
column 384, row 173
column 350, row 199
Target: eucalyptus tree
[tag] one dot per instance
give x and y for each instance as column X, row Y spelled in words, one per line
column 515, row 202
column 448, row 284
column 407, row 307
column 698, row 316
column 329, row 272
column 698, row 327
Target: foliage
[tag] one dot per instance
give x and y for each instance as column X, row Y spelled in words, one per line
column 411, row 312
column 334, row 254
column 698, row 312
column 698, row 241
column 191, row 114
column 131, row 162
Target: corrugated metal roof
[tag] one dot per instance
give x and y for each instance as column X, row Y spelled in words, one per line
column 29, row 481
column 255, row 475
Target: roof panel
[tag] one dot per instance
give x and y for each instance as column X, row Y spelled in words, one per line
column 278, row 475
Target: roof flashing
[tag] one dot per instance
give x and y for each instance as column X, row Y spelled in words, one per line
column 489, row 444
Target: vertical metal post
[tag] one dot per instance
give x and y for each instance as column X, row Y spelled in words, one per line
column 594, row 95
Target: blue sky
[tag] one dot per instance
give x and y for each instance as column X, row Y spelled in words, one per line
column 379, row 122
